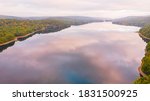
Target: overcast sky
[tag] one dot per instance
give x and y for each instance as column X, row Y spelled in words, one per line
column 96, row 8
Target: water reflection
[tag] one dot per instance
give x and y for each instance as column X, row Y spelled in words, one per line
column 92, row 53
column 4, row 47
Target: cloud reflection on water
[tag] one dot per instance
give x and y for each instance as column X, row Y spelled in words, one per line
column 75, row 55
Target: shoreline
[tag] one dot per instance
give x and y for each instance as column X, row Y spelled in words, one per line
column 140, row 68
column 144, row 37
column 6, row 43
column 142, row 74
column 32, row 33
column 27, row 35
column 17, row 38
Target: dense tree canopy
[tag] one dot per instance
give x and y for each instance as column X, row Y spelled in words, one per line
column 142, row 80
column 145, row 31
column 11, row 28
column 145, row 67
column 146, row 61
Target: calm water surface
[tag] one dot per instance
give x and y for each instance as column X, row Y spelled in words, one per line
column 92, row 53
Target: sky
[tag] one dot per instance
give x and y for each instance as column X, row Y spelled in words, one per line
column 93, row 8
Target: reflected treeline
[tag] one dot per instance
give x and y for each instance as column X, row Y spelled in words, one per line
column 47, row 30
column 53, row 29
column 24, row 38
column 144, row 39
column 2, row 48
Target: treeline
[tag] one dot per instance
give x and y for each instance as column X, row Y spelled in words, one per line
column 145, row 31
column 146, row 61
column 11, row 28
column 145, row 67
column 144, row 22
column 139, row 21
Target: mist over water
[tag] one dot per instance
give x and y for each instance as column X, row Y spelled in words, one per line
column 91, row 53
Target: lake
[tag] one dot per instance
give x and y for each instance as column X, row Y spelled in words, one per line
column 95, row 53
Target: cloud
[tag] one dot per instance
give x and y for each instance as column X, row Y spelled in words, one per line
column 104, row 8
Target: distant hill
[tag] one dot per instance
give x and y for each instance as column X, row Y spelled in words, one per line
column 66, row 17
column 133, row 21
column 77, row 20
column 9, row 17
column 55, row 17
column 74, row 20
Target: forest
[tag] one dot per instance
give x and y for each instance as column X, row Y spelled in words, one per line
column 11, row 28
column 145, row 67
column 145, row 31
